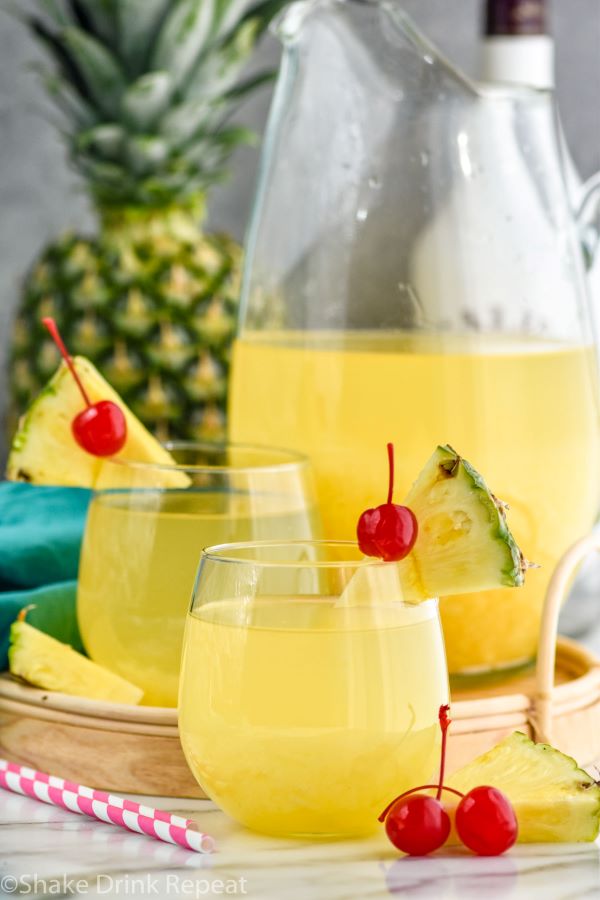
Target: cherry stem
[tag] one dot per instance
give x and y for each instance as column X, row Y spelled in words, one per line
column 422, row 787
column 444, row 725
column 390, row 450
column 23, row 612
column 51, row 326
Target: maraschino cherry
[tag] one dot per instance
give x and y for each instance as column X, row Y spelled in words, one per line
column 100, row 428
column 418, row 824
column 389, row 531
column 486, row 822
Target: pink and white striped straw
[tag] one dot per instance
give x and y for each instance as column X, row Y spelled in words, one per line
column 109, row 808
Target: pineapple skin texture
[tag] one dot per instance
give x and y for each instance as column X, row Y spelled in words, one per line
column 155, row 311
column 146, row 95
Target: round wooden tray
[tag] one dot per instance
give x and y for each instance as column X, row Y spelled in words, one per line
column 112, row 746
column 135, row 749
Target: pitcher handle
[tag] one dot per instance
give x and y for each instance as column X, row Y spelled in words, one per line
column 541, row 717
column 587, row 216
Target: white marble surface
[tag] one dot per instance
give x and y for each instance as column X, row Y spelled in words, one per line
column 47, row 852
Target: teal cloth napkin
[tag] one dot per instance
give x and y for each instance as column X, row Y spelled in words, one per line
column 40, row 537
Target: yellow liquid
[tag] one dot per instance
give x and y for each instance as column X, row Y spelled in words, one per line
column 523, row 412
column 301, row 718
column 138, row 564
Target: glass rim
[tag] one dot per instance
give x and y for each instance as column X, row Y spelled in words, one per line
column 226, row 553
column 290, row 459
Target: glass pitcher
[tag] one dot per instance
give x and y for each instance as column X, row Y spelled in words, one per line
column 415, row 274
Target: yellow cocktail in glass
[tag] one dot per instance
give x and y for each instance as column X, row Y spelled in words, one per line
column 142, row 545
column 305, row 707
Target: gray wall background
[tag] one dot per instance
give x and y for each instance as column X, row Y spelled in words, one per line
column 39, row 196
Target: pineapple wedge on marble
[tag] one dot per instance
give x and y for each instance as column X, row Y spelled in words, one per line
column 555, row 801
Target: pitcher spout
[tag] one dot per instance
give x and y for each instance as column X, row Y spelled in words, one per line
column 374, row 24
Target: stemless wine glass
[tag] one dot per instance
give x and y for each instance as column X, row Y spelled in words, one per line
column 143, row 540
column 309, row 690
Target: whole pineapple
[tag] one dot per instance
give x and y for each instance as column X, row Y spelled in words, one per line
column 146, row 89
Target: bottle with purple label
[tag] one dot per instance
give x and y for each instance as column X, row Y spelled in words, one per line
column 517, row 46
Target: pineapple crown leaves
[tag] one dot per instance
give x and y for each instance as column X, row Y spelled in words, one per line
column 147, row 89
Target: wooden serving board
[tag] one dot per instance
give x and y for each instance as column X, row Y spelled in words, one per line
column 112, row 746
column 135, row 749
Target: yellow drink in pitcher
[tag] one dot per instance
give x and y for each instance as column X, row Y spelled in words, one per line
column 300, row 717
column 137, row 570
column 524, row 412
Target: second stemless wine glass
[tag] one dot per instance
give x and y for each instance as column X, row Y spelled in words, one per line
column 309, row 692
column 143, row 541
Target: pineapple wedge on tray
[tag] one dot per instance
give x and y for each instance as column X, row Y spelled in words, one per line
column 40, row 660
column 146, row 92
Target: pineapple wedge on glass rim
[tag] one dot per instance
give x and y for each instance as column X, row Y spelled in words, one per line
column 463, row 544
column 146, row 92
column 45, row 452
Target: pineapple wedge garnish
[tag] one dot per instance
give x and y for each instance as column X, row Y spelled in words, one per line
column 463, row 545
column 44, row 450
column 464, row 542
column 555, row 801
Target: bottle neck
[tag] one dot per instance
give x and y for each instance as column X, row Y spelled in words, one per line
column 523, row 59
column 516, row 46
column 515, row 17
